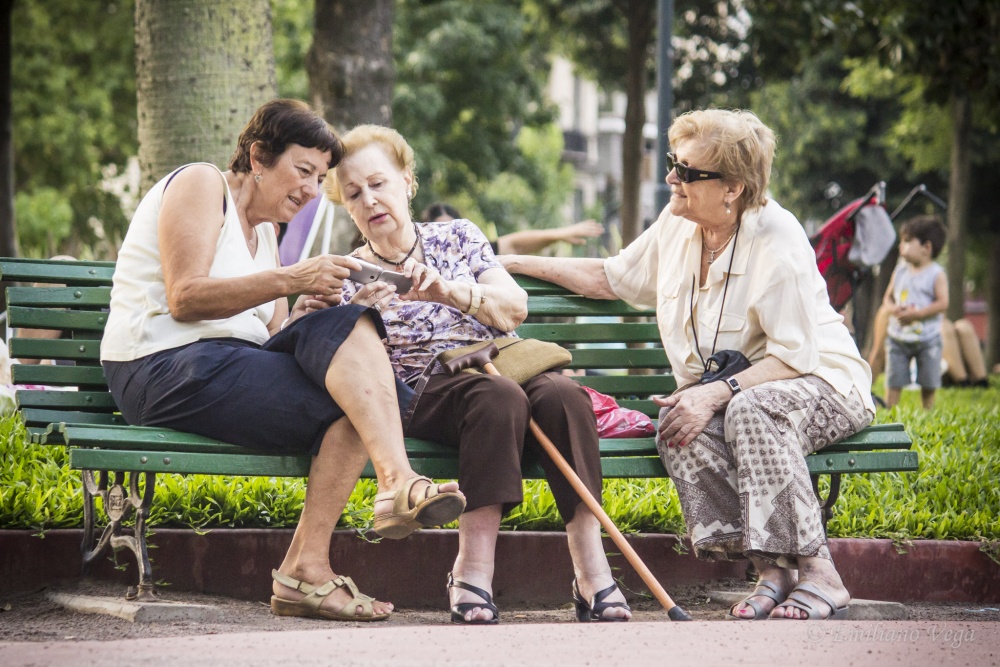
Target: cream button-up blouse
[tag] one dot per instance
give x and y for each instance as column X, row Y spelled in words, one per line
column 776, row 302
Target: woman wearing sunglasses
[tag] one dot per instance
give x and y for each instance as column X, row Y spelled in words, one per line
column 730, row 271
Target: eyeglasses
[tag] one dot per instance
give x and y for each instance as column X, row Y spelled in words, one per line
column 689, row 174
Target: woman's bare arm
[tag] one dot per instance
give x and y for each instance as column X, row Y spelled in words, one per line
column 581, row 275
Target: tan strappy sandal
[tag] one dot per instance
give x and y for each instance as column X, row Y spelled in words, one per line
column 309, row 606
column 434, row 509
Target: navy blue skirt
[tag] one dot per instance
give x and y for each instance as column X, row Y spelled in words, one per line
column 269, row 397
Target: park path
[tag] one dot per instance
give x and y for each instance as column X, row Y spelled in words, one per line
column 698, row 643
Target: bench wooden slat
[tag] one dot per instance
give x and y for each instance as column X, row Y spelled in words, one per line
column 86, row 401
column 43, row 416
column 534, row 286
column 59, row 297
column 42, row 348
column 60, row 320
column 573, row 305
column 172, row 461
column 624, row 358
column 629, row 385
column 59, row 376
column 56, row 271
column 189, row 462
column 601, row 332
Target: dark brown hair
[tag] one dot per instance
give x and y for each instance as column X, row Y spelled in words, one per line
column 437, row 209
column 926, row 228
column 279, row 123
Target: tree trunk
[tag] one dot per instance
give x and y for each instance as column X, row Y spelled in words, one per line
column 640, row 17
column 202, row 69
column 8, row 235
column 351, row 72
column 959, row 194
column 993, row 307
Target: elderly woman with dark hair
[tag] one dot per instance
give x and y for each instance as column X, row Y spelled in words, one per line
column 200, row 338
column 730, row 270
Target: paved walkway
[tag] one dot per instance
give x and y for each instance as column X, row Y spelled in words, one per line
column 697, row 644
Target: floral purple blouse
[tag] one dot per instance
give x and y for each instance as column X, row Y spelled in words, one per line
column 420, row 330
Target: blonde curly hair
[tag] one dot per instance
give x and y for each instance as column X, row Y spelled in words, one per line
column 363, row 136
column 736, row 144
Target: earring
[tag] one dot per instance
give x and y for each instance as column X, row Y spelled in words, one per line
column 256, row 177
column 728, row 210
column 409, row 193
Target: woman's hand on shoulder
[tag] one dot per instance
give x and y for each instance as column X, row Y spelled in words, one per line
column 690, row 412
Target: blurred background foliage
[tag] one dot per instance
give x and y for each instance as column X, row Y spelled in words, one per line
column 842, row 84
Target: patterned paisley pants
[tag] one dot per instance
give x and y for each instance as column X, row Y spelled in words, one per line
column 743, row 482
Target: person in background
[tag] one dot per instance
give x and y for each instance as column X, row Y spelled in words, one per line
column 461, row 296
column 961, row 351
column 728, row 269
column 916, row 297
column 200, row 339
column 524, row 242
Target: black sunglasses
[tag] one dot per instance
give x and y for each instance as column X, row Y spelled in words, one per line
column 689, row 174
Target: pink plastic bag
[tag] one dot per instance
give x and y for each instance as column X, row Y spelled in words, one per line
column 614, row 421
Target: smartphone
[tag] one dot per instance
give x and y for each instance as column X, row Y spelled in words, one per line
column 369, row 273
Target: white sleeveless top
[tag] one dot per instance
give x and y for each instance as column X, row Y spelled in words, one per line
column 140, row 323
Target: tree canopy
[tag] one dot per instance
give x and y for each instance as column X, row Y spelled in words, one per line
column 74, row 109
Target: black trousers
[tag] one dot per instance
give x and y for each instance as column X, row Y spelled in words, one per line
column 486, row 418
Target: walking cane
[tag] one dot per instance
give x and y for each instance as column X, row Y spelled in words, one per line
column 483, row 358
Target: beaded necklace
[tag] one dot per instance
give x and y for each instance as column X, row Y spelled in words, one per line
column 400, row 263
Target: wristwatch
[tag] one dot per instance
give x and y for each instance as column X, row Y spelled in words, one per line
column 734, row 384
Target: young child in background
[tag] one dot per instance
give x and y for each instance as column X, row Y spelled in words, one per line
column 917, row 297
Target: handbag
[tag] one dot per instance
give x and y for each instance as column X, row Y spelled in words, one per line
column 520, row 359
column 728, row 362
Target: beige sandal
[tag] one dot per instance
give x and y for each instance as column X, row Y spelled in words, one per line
column 435, row 509
column 309, row 606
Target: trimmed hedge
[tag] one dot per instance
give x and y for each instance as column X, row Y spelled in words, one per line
column 955, row 495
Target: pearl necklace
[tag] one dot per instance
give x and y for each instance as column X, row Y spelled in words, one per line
column 713, row 253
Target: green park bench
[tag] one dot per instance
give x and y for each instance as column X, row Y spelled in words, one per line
column 73, row 297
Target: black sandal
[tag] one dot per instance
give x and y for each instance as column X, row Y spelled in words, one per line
column 595, row 610
column 459, row 609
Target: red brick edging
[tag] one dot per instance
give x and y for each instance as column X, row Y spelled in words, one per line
column 532, row 567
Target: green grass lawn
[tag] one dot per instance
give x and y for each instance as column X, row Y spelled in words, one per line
column 955, row 495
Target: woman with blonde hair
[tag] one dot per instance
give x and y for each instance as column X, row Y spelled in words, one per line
column 461, row 295
column 767, row 371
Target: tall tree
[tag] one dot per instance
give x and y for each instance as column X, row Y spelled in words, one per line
column 202, row 69
column 470, row 79
column 613, row 42
column 350, row 64
column 953, row 46
column 74, row 120
column 8, row 236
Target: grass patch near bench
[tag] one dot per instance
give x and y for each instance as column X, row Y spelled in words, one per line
column 955, row 494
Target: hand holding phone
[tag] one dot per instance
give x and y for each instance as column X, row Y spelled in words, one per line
column 369, row 273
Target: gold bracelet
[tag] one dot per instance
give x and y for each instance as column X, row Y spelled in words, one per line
column 476, row 300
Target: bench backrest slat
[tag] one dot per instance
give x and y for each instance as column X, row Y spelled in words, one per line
column 78, row 272
column 59, row 376
column 44, row 348
column 59, row 297
column 57, row 319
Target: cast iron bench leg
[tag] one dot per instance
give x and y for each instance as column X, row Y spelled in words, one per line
column 119, row 504
column 826, row 506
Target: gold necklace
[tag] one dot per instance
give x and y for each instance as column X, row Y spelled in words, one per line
column 713, row 253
